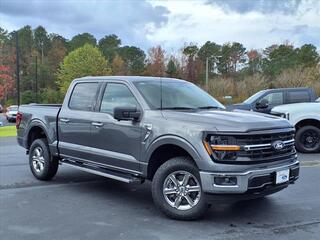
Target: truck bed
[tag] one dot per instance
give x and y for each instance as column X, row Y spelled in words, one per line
column 42, row 115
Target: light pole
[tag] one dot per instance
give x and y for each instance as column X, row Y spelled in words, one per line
column 18, row 70
column 207, row 73
column 207, row 69
column 36, row 70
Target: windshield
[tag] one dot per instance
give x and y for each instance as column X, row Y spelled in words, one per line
column 13, row 109
column 176, row 95
column 253, row 98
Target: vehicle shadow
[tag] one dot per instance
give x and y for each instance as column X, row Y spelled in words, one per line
column 139, row 197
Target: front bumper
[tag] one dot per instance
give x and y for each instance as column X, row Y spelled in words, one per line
column 249, row 181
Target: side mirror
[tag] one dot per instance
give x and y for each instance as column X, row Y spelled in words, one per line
column 264, row 103
column 126, row 113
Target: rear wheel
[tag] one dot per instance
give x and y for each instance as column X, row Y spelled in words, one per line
column 177, row 191
column 43, row 166
column 308, row 139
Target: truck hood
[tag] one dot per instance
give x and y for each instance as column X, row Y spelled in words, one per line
column 227, row 121
column 297, row 107
column 242, row 106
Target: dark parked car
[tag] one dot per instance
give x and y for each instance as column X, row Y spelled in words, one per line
column 167, row 131
column 265, row 100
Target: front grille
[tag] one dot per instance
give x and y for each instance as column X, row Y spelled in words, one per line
column 258, row 148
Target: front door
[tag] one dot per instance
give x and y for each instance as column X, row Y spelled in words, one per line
column 274, row 99
column 117, row 142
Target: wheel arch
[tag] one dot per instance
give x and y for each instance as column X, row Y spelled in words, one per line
column 308, row 122
column 165, row 148
column 35, row 131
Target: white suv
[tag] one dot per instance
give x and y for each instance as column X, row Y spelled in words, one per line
column 305, row 117
column 12, row 113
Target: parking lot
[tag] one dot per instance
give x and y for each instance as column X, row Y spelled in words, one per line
column 77, row 205
column 4, row 121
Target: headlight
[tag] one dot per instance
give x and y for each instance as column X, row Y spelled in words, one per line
column 222, row 148
column 283, row 115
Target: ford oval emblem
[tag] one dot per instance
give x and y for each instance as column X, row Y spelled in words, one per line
column 278, row 145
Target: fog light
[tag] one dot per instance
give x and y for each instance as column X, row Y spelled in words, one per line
column 225, row 181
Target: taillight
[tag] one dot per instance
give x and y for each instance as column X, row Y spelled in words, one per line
column 18, row 119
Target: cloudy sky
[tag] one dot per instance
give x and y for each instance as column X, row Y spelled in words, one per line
column 172, row 23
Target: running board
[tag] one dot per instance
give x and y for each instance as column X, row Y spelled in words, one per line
column 127, row 178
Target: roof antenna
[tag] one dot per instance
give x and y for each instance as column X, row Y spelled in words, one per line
column 160, row 93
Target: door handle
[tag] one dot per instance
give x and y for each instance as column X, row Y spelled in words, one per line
column 97, row 124
column 65, row 120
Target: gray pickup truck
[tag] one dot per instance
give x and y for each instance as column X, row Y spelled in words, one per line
column 164, row 130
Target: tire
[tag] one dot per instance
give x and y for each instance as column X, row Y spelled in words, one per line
column 308, row 139
column 165, row 202
column 43, row 166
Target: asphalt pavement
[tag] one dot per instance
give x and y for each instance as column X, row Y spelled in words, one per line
column 77, row 205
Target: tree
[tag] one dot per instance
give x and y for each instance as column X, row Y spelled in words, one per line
column 134, row 59
column 82, row 39
column 254, row 61
column 192, row 64
column 109, row 45
column 41, row 41
column 172, row 68
column 232, row 55
column 279, row 58
column 307, row 56
column 57, row 52
column 84, row 61
column 4, row 36
column 210, row 51
column 155, row 63
column 6, row 81
column 118, row 66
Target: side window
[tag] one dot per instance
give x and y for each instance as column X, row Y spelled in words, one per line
column 274, row 98
column 83, row 96
column 298, row 96
column 117, row 95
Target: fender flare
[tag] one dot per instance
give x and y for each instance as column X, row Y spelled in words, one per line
column 174, row 140
column 35, row 123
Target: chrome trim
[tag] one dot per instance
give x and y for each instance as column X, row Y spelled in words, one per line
column 97, row 124
column 265, row 146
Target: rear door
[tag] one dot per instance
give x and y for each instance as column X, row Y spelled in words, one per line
column 117, row 143
column 74, row 121
column 297, row 96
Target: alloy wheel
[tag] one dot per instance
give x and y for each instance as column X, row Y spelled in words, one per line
column 181, row 190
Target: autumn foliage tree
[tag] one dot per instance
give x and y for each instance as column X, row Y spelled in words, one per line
column 118, row 66
column 156, row 62
column 233, row 70
column 6, row 81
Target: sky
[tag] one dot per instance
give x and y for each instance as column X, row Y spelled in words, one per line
column 172, row 23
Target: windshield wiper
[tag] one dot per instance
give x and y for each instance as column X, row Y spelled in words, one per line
column 209, row 107
column 176, row 108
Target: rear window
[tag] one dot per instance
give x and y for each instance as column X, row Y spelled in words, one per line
column 83, row 96
column 298, row 96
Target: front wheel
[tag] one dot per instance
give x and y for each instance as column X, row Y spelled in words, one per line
column 177, row 191
column 308, row 139
column 43, row 166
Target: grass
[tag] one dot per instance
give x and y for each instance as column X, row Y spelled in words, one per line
column 8, row 131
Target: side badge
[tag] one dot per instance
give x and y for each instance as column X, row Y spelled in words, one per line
column 148, row 128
